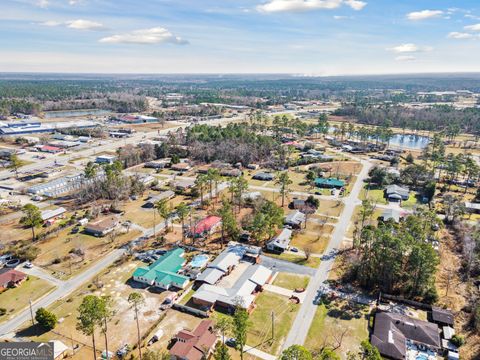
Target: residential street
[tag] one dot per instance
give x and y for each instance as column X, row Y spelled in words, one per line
column 301, row 325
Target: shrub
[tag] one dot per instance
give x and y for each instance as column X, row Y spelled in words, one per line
column 46, row 319
column 3, row 311
column 458, row 340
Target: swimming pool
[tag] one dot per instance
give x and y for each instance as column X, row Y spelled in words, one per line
column 421, row 356
column 199, row 261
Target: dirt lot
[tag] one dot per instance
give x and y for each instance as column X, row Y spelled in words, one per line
column 121, row 329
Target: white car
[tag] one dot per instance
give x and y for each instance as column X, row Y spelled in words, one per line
column 28, row 265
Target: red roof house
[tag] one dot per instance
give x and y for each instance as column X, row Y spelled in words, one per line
column 50, row 149
column 206, row 226
column 196, row 344
column 10, row 277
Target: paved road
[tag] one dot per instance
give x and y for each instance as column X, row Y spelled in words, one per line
column 301, row 325
column 67, row 288
column 286, row 266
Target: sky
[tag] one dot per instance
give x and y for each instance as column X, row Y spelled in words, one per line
column 304, row 37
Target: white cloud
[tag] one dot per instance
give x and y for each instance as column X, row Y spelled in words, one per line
column 154, row 35
column 43, row 3
column 424, row 14
column 78, row 24
column 356, row 4
column 459, row 35
column 409, row 48
column 475, row 27
column 307, row 5
column 51, row 23
column 341, row 17
column 405, row 58
column 474, row 17
column 81, row 24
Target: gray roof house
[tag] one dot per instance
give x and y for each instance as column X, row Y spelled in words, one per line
column 294, row 218
column 264, row 176
column 395, row 334
column 396, row 193
column 281, row 242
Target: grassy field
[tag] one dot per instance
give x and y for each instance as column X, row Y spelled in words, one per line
column 260, row 332
column 335, row 319
column 312, row 262
column 316, row 241
column 375, row 195
column 17, row 299
column 291, row 281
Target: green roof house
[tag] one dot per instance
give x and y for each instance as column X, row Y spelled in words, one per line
column 163, row 272
column 329, row 183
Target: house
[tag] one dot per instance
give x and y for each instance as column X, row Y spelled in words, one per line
column 169, row 194
column 394, row 214
column 50, row 215
column 182, row 184
column 396, row 193
column 396, row 335
column 473, row 207
column 263, row 176
column 59, row 349
column 101, row 227
column 442, row 317
column 329, row 183
column 159, row 164
column 11, row 278
column 252, row 196
column 163, row 273
column 226, row 261
column 194, row 345
column 298, row 204
column 281, row 242
column 206, row 226
column 295, row 219
column 182, row 167
column 242, row 293
column 50, row 149
column 231, row 172
column 105, row 159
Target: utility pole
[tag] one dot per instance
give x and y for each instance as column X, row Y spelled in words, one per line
column 154, row 221
column 273, row 325
column 31, row 311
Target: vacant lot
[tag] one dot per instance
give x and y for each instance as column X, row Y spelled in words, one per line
column 316, row 242
column 121, row 329
column 333, row 320
column 260, row 333
column 17, row 299
column 291, row 281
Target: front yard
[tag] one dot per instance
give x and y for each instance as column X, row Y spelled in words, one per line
column 340, row 325
column 16, row 299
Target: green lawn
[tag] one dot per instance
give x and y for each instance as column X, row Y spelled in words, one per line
column 313, row 262
column 17, row 299
column 411, row 202
column 332, row 320
column 291, row 281
column 187, row 297
column 375, row 195
column 260, row 332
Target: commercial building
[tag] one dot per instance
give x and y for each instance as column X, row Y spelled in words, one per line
column 163, row 273
column 34, row 126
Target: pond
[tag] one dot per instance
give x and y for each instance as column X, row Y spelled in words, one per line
column 71, row 113
column 409, row 141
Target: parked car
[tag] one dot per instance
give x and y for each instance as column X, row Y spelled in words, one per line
column 28, row 265
column 232, row 342
column 123, row 350
column 294, row 249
